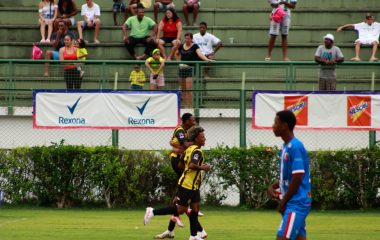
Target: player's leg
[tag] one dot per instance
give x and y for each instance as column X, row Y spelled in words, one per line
column 292, row 223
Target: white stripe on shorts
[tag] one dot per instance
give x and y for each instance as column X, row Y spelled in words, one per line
column 288, row 231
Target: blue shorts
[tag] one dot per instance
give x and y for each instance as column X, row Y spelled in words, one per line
column 84, row 24
column 55, row 55
column 119, row 6
column 292, row 224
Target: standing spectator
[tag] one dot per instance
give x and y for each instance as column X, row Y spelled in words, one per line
column 119, row 5
column 81, row 54
column 47, row 10
column 67, row 9
column 57, row 42
column 208, row 43
column 156, row 65
column 293, row 189
column 188, row 51
column 369, row 32
column 191, row 6
column 162, row 5
column 276, row 27
column 70, row 72
column 171, row 27
column 90, row 13
column 137, row 78
column 328, row 56
column 139, row 27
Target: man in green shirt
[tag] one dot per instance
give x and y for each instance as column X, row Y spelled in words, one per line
column 142, row 30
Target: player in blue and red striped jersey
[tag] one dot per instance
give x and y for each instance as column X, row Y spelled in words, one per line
column 294, row 184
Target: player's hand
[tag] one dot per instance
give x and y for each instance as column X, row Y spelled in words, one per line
column 272, row 192
column 206, row 167
column 339, row 29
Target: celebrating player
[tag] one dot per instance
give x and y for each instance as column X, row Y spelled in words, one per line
column 294, row 184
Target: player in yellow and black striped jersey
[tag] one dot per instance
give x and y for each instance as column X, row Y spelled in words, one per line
column 188, row 185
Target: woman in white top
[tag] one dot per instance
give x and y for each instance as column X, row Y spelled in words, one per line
column 47, row 10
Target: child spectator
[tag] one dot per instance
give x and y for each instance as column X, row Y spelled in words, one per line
column 119, row 5
column 191, row 6
column 47, row 10
column 137, row 78
column 91, row 19
column 156, row 64
column 81, row 54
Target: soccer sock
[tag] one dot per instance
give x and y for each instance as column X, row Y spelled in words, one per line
column 165, row 211
column 193, row 223
column 172, row 224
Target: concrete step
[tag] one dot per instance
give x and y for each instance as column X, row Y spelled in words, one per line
column 236, row 34
column 217, row 17
column 243, row 4
column 238, row 51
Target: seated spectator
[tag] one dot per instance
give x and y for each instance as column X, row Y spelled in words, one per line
column 139, row 27
column 162, row 5
column 191, row 6
column 47, row 10
column 368, row 32
column 328, row 56
column 67, row 9
column 133, row 4
column 90, row 13
column 70, row 71
column 119, row 5
column 208, row 43
column 57, row 42
column 137, row 78
column 156, row 65
column 171, row 27
column 188, row 51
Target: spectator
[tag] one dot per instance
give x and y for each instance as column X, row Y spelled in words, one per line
column 156, row 65
column 119, row 5
column 208, row 43
column 171, row 27
column 67, row 9
column 188, row 51
column 81, row 54
column 70, row 72
column 137, row 78
column 277, row 27
column 90, row 13
column 47, row 10
column 162, row 5
column 133, row 4
column 139, row 27
column 328, row 56
column 369, row 32
column 57, row 42
column 191, row 6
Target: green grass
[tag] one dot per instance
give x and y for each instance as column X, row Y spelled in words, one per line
column 223, row 223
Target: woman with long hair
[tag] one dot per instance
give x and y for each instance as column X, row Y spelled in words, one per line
column 47, row 11
column 70, row 71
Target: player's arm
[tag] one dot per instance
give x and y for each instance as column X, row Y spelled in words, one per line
column 318, row 59
column 272, row 189
column 293, row 188
column 196, row 157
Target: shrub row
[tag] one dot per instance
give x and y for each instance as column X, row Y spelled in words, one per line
column 65, row 176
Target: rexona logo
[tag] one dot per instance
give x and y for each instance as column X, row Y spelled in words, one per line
column 72, row 120
column 359, row 111
column 142, row 120
column 299, row 106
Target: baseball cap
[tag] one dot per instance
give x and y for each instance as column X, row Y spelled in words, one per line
column 329, row 36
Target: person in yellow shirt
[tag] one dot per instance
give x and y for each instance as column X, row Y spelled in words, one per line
column 156, row 65
column 81, row 55
column 137, row 78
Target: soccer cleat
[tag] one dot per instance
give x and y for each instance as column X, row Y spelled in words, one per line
column 200, row 214
column 148, row 215
column 202, row 234
column 166, row 234
column 177, row 221
column 194, row 238
column 188, row 211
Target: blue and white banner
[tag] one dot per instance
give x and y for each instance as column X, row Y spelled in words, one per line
column 105, row 110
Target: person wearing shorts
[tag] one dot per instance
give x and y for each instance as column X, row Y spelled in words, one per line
column 191, row 6
column 155, row 65
column 277, row 28
column 119, row 5
column 162, row 5
column 91, row 19
column 67, row 10
column 369, row 32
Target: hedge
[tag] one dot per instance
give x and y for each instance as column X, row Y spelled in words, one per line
column 66, row 176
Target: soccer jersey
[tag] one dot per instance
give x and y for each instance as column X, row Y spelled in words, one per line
column 206, row 42
column 295, row 160
column 155, row 65
column 179, row 137
column 136, row 76
column 81, row 53
column 191, row 179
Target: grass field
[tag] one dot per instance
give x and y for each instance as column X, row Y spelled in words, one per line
column 223, row 224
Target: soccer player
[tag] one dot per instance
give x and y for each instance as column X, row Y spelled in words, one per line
column 294, row 185
column 188, row 185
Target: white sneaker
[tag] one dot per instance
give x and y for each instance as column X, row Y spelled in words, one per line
column 202, row 234
column 148, row 215
column 200, row 214
column 177, row 221
column 188, row 212
column 166, row 234
column 194, row 238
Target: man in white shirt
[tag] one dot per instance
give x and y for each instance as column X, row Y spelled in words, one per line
column 368, row 32
column 90, row 13
column 208, row 43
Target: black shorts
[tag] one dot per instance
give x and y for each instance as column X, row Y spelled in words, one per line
column 168, row 39
column 186, row 196
column 185, row 72
column 175, row 161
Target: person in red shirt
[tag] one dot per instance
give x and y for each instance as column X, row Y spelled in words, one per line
column 70, row 71
column 171, row 27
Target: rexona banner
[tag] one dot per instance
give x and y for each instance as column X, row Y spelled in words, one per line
column 105, row 110
column 319, row 110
